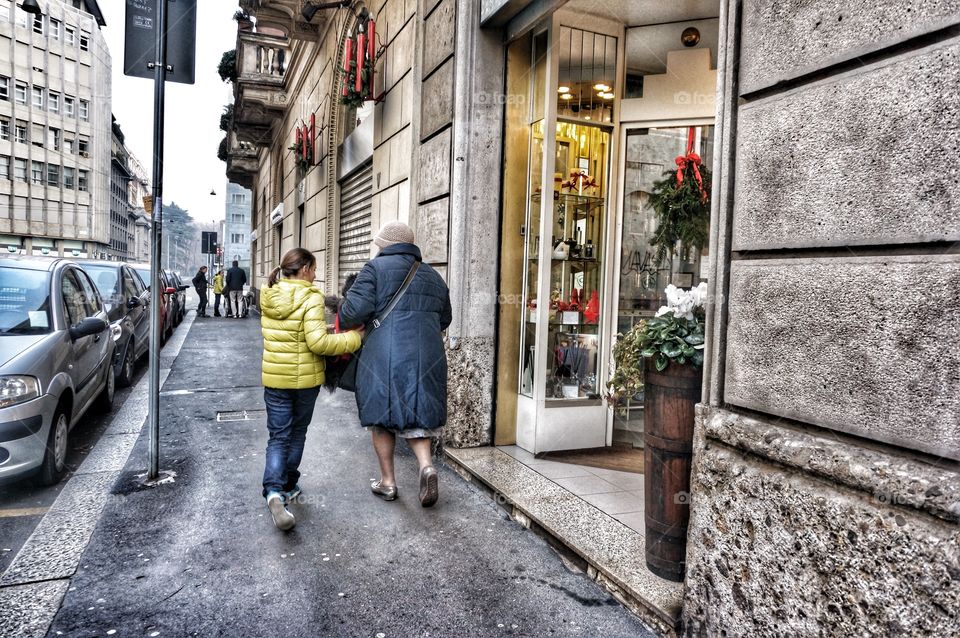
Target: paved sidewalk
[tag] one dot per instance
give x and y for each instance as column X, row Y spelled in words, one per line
column 200, row 556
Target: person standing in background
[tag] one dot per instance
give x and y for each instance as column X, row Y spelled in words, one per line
column 217, row 292
column 236, row 280
column 200, row 284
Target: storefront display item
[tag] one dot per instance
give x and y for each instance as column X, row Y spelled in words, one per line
column 588, row 250
column 592, row 312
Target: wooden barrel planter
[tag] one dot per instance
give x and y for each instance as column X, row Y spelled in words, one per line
column 669, row 400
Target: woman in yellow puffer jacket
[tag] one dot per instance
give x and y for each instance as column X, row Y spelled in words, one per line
column 295, row 341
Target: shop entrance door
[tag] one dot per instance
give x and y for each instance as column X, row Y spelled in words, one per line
column 649, row 155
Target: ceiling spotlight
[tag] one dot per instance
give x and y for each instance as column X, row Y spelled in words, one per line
column 566, row 96
column 601, row 87
column 586, row 117
column 690, row 37
column 31, row 6
column 563, row 89
column 606, row 95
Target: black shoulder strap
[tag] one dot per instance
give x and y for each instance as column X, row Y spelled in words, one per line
column 396, row 297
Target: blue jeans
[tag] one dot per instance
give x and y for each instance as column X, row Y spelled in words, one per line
column 288, row 416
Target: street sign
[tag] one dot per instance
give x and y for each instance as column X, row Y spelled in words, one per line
column 208, row 242
column 139, row 47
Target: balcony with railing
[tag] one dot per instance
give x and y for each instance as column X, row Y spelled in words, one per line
column 285, row 18
column 259, row 91
column 242, row 161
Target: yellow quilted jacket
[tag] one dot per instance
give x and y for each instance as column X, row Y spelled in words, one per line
column 295, row 337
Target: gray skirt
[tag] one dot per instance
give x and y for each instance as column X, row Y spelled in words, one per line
column 412, row 433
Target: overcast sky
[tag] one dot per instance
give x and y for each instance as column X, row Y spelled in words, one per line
column 191, row 167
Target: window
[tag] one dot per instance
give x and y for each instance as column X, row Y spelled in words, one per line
column 238, row 198
column 4, row 129
column 4, row 167
column 20, row 131
column 54, row 29
column 82, row 185
column 84, row 41
column 38, row 24
column 68, row 146
column 54, row 102
column 20, row 92
column 53, row 138
column 36, row 172
column 236, row 218
column 236, row 238
column 53, row 175
column 37, row 94
column 70, row 38
column 68, row 106
column 4, row 87
column 4, row 11
column 68, row 177
column 84, row 110
column 73, row 301
column 84, row 147
column 23, row 18
column 20, row 169
column 37, row 133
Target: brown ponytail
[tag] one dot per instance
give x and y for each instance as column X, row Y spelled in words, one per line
column 293, row 260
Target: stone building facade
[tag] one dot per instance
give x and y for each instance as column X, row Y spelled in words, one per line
column 55, row 135
column 825, row 487
column 236, row 228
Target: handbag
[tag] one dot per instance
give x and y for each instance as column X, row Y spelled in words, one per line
column 348, row 378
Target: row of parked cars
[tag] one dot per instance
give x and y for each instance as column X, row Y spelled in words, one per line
column 70, row 332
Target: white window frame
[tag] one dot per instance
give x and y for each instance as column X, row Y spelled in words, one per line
column 36, row 97
column 84, row 41
column 69, row 146
column 55, row 28
column 53, row 170
column 4, row 11
column 37, row 175
column 84, row 110
column 83, row 182
column 4, row 167
column 20, row 91
column 20, row 168
column 69, row 177
column 21, row 132
column 5, row 130
column 70, row 36
column 69, row 106
column 4, row 88
column 53, row 102
column 38, row 24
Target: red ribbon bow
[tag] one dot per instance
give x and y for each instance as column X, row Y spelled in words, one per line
column 693, row 160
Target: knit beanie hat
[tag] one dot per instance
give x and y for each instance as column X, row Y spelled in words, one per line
column 393, row 233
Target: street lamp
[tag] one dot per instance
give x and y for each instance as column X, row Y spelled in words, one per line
column 32, row 6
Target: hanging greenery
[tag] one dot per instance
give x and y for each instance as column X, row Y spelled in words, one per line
column 681, row 203
column 297, row 148
column 227, row 69
column 351, row 97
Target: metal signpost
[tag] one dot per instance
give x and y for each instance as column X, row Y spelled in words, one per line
column 146, row 18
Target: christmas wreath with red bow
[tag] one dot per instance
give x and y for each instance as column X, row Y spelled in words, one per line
column 681, row 202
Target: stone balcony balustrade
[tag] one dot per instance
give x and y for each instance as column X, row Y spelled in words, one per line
column 242, row 161
column 259, row 92
column 284, row 17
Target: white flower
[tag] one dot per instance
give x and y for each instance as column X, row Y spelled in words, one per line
column 663, row 310
column 699, row 294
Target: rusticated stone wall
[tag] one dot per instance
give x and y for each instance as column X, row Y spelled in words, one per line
column 826, row 487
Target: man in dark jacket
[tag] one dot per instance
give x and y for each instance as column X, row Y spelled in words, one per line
column 402, row 371
column 200, row 284
column 236, row 279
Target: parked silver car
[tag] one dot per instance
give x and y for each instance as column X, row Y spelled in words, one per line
column 56, row 361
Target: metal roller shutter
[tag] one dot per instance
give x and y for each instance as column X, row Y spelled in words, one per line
column 356, row 194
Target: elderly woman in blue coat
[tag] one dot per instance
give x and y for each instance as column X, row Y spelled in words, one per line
column 402, row 370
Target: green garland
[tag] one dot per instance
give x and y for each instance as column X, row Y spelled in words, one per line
column 355, row 98
column 683, row 213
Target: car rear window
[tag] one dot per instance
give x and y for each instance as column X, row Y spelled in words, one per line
column 24, row 301
column 105, row 277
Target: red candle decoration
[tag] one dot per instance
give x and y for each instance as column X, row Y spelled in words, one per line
column 305, row 139
column 361, row 53
column 313, row 136
column 372, row 50
column 298, row 138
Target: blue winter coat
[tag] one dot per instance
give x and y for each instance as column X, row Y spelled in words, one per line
column 402, row 371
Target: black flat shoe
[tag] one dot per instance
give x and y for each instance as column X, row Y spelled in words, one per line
column 429, row 486
column 386, row 492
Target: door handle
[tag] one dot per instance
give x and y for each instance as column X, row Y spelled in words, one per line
column 96, row 338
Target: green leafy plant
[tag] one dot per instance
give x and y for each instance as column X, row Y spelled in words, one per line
column 227, row 69
column 223, row 150
column 682, row 208
column 297, row 148
column 675, row 335
column 226, row 117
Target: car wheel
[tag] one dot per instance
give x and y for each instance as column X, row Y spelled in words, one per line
column 55, row 458
column 105, row 400
column 125, row 380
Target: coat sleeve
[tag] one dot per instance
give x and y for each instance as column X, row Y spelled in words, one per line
column 446, row 315
column 322, row 342
column 360, row 305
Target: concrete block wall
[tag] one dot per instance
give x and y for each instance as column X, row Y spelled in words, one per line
column 825, row 469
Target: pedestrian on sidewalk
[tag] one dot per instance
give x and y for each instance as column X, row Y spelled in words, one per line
column 402, row 370
column 236, row 280
column 217, row 292
column 200, row 284
column 295, row 342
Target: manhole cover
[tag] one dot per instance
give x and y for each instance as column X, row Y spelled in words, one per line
column 240, row 415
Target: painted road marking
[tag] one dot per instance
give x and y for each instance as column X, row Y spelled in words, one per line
column 17, row 512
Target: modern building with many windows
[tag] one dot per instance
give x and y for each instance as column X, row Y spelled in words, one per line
column 236, row 231
column 55, row 142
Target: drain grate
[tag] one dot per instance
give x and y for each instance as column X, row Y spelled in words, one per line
column 240, row 415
